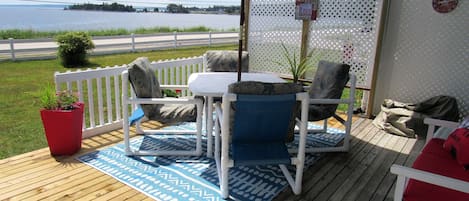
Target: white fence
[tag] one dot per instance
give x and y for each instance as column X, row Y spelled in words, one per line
column 16, row 49
column 100, row 89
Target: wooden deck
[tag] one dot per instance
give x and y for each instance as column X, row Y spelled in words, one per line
column 360, row 174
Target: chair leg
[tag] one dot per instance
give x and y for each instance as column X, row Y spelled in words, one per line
column 224, row 179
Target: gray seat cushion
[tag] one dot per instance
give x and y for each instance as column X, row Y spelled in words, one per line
column 260, row 88
column 226, row 61
column 172, row 113
column 145, row 85
column 328, row 83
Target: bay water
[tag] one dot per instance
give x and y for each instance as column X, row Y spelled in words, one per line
column 55, row 18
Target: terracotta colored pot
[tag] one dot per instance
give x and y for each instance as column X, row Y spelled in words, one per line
column 63, row 130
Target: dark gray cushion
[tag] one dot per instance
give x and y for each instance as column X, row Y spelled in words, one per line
column 226, row 61
column 171, row 113
column 328, row 83
column 145, row 85
column 260, row 88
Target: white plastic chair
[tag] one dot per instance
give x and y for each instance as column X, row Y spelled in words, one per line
column 129, row 99
column 255, row 134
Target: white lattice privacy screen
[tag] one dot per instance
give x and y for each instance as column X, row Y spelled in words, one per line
column 425, row 54
column 345, row 31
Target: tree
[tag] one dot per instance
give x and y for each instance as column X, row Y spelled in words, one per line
column 173, row 8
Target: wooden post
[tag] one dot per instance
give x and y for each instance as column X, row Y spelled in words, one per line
column 304, row 39
column 369, row 107
column 240, row 43
column 133, row 41
column 12, row 48
column 304, row 42
column 175, row 39
column 246, row 24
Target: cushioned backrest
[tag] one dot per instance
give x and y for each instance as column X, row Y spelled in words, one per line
column 226, row 61
column 260, row 88
column 144, row 83
column 328, row 83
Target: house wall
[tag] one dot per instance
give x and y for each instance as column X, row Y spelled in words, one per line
column 424, row 54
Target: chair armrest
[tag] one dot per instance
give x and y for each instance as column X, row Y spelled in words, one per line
column 437, row 122
column 174, row 87
column 328, row 101
column 405, row 173
column 164, row 101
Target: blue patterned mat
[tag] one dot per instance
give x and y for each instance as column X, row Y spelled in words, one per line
column 193, row 178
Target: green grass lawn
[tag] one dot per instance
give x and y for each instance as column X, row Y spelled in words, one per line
column 21, row 128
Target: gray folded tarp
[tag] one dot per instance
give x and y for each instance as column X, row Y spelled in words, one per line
column 406, row 119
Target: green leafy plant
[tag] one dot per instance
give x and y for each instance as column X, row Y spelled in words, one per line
column 171, row 93
column 73, row 48
column 296, row 66
column 63, row 100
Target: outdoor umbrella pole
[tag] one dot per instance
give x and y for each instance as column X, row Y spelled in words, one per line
column 240, row 45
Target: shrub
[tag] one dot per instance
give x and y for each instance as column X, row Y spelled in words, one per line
column 73, row 47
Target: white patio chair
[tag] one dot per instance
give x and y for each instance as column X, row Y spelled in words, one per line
column 325, row 94
column 146, row 92
column 255, row 119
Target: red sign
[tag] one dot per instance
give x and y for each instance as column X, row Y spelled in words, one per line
column 444, row 6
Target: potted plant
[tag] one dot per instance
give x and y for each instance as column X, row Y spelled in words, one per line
column 296, row 66
column 62, row 118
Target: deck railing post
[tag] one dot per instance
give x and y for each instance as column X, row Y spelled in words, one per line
column 175, row 39
column 12, row 49
column 210, row 38
column 132, row 35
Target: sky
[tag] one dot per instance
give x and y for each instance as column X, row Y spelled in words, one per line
column 135, row 3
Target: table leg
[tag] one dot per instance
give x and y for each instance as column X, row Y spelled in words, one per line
column 209, row 124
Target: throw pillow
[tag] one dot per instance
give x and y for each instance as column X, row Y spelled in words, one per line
column 458, row 144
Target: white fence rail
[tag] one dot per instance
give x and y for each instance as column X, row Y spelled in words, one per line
column 22, row 49
column 100, row 89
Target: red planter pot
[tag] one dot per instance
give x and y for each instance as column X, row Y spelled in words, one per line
column 63, row 130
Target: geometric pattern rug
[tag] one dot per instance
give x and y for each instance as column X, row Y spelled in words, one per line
column 194, row 177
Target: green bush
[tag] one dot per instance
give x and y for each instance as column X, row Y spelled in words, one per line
column 73, row 48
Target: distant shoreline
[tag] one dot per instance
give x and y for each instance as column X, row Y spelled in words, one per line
column 31, row 34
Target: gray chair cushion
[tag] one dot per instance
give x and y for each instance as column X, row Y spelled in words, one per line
column 145, row 85
column 171, row 113
column 226, row 61
column 328, row 83
column 260, row 88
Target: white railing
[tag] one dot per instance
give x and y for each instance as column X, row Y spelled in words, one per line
column 100, row 89
column 22, row 49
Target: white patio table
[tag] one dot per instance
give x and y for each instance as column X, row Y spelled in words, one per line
column 215, row 84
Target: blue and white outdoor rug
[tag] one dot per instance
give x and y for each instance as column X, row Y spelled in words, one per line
column 193, row 178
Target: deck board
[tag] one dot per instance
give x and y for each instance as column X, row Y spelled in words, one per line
column 360, row 174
